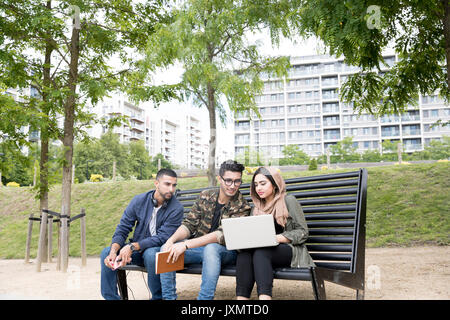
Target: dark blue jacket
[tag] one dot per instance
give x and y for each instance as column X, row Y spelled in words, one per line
column 139, row 212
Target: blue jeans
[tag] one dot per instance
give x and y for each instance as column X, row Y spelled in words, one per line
column 212, row 257
column 108, row 278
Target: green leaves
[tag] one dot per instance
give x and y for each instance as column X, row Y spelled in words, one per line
column 360, row 31
column 131, row 159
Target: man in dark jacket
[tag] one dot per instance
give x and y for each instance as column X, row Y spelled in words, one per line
column 156, row 214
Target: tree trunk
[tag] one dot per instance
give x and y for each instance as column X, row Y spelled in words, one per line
column 44, row 137
column 43, row 191
column 446, row 22
column 69, row 119
column 212, row 137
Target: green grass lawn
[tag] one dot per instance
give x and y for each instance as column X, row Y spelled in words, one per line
column 406, row 205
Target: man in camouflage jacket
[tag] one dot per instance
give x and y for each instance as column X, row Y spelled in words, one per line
column 203, row 229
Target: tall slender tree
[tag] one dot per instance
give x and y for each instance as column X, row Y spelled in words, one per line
column 221, row 67
column 73, row 53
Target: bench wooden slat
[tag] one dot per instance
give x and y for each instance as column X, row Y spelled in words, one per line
column 324, row 193
column 334, row 265
column 303, row 274
column 331, row 231
column 323, row 185
column 337, row 208
column 329, row 247
column 330, row 216
column 331, row 256
column 350, row 174
column 328, row 200
column 187, row 198
column 306, row 186
column 330, row 224
column 315, row 239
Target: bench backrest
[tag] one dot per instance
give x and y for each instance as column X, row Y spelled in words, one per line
column 335, row 211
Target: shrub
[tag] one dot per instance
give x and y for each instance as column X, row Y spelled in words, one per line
column 96, row 178
column 250, row 170
column 312, row 164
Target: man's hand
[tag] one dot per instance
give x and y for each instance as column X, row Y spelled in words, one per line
column 176, row 250
column 123, row 258
column 109, row 260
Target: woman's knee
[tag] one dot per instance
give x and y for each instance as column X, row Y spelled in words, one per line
column 262, row 254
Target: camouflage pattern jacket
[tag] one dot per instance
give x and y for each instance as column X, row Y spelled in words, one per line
column 198, row 221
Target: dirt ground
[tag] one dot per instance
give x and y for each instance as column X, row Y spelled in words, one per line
column 414, row 273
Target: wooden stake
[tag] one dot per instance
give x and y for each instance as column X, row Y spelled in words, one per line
column 42, row 241
column 64, row 240
column 58, row 259
column 83, row 237
column 50, row 239
column 29, row 233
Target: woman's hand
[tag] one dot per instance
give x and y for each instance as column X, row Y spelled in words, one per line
column 282, row 239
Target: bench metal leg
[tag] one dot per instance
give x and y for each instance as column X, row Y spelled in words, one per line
column 122, row 284
column 318, row 286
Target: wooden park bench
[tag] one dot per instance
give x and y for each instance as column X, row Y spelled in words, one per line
column 335, row 210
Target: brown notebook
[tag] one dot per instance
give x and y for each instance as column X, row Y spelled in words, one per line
column 161, row 265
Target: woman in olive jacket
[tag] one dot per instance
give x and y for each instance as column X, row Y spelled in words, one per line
column 268, row 193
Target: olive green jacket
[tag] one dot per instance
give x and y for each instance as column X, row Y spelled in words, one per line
column 296, row 231
column 198, row 221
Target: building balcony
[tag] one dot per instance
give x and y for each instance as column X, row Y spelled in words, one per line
column 390, row 133
column 136, row 136
column 390, row 119
column 137, row 117
column 412, row 148
column 331, row 123
column 410, row 118
column 335, row 136
column 137, row 126
column 411, row 132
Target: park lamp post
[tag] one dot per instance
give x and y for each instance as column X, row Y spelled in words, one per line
column 87, row 169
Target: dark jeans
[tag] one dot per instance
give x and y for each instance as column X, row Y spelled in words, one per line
column 256, row 265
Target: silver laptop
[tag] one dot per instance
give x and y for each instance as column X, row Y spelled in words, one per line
column 249, row 232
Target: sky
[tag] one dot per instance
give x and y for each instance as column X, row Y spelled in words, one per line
column 226, row 134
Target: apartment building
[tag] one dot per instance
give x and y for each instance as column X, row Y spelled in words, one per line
column 33, row 135
column 305, row 110
column 170, row 129
column 177, row 131
column 196, row 151
column 120, row 106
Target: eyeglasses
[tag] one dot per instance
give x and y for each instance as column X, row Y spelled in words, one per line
column 229, row 182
